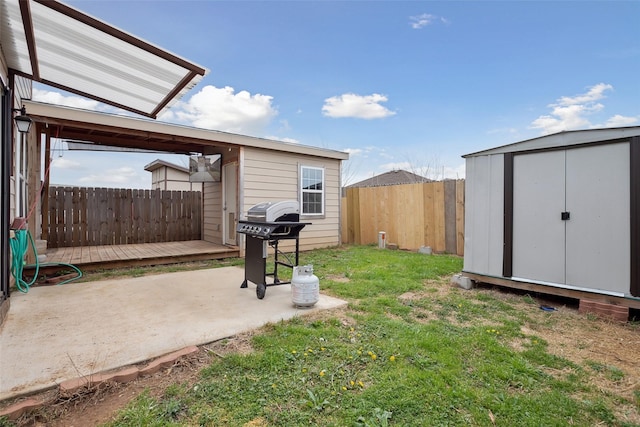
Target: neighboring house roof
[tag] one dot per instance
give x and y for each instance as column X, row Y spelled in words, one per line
column 57, row 45
column 125, row 131
column 396, row 177
column 159, row 163
column 564, row 139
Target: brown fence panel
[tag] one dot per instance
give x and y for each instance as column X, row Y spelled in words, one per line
column 411, row 215
column 107, row 216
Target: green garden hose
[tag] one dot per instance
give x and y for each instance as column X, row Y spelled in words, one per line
column 19, row 246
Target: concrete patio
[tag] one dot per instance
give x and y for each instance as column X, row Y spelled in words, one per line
column 57, row 333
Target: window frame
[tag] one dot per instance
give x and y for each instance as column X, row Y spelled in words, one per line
column 303, row 191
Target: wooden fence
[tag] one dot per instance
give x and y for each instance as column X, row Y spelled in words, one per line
column 411, row 215
column 107, row 216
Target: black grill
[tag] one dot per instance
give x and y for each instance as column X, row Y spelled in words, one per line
column 267, row 223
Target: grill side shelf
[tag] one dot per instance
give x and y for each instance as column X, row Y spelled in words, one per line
column 258, row 234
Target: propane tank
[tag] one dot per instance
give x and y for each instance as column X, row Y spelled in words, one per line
column 305, row 286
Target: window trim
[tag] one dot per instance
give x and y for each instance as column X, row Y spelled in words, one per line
column 302, row 191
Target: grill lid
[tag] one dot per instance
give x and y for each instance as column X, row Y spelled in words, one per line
column 274, row 211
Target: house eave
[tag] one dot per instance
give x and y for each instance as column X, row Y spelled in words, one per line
column 50, row 114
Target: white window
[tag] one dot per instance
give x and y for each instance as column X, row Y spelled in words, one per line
column 312, row 190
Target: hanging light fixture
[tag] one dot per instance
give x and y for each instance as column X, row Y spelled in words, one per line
column 23, row 122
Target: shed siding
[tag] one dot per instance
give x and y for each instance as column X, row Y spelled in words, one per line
column 271, row 175
column 484, row 207
column 176, row 175
column 569, row 211
column 166, row 178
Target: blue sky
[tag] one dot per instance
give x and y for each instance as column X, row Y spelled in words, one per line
column 398, row 84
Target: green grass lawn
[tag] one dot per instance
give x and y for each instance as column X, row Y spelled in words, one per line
column 408, row 350
column 403, row 353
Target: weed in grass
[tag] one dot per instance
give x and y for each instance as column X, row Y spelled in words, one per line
column 148, row 411
column 316, row 402
column 612, row 373
column 380, row 418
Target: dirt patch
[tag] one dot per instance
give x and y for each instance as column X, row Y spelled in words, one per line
column 100, row 404
column 338, row 278
column 607, row 350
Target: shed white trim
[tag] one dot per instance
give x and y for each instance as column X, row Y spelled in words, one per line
column 563, row 139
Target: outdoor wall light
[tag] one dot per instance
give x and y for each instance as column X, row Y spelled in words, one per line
column 23, row 122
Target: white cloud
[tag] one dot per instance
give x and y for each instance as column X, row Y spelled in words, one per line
column 595, row 93
column 619, row 121
column 457, row 172
column 57, row 98
column 64, row 163
column 353, row 151
column 284, row 125
column 223, row 109
column 352, row 105
column 420, row 21
column 569, row 113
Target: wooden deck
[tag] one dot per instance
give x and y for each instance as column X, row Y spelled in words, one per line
column 136, row 255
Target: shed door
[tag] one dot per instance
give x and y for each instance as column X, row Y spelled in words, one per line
column 591, row 249
column 538, row 231
column 598, row 233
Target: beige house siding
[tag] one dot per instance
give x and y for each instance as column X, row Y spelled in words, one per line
column 274, row 175
column 212, row 215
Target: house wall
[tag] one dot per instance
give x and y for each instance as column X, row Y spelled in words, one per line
column 484, row 212
column 273, row 175
column 212, row 205
column 212, row 212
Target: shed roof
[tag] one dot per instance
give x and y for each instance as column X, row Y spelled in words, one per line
column 395, row 177
column 125, row 131
column 52, row 43
column 159, row 163
column 564, row 139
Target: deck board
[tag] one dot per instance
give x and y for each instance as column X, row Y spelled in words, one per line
column 118, row 256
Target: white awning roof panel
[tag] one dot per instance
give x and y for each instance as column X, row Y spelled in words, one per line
column 80, row 54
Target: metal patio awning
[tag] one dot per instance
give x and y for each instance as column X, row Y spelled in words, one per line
column 52, row 43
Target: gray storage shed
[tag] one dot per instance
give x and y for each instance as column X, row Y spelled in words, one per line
column 558, row 214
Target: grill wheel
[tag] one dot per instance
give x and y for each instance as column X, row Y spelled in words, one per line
column 261, row 289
